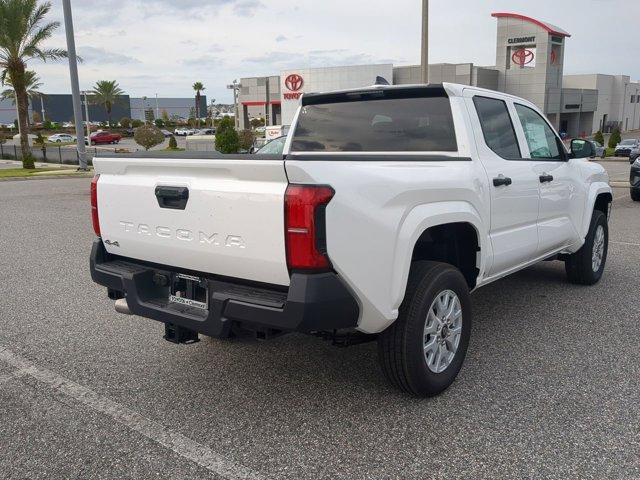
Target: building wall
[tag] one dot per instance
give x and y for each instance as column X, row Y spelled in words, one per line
column 175, row 107
column 486, row 77
column 252, row 99
column 59, row 108
column 540, row 81
column 618, row 99
column 8, row 112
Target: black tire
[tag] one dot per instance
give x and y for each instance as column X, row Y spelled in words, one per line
column 401, row 346
column 635, row 194
column 579, row 266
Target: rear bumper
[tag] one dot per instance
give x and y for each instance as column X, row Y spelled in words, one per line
column 313, row 302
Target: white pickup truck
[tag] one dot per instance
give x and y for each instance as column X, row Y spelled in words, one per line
column 388, row 207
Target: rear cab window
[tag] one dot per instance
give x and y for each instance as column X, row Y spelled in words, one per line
column 417, row 119
column 497, row 127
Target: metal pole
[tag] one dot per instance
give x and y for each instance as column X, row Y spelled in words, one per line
column 42, row 107
column 86, row 109
column 157, row 109
column 425, row 41
column 75, row 85
column 267, row 112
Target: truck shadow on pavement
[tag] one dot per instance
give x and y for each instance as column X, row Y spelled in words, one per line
column 507, row 312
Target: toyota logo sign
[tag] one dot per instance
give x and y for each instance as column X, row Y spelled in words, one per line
column 294, row 82
column 522, row 57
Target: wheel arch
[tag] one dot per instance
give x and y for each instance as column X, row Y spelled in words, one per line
column 600, row 198
column 438, row 224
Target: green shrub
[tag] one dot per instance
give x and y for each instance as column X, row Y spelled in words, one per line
column 246, row 139
column 615, row 138
column 148, row 136
column 159, row 123
column 125, row 122
column 173, row 143
column 598, row 137
column 227, row 140
column 136, row 123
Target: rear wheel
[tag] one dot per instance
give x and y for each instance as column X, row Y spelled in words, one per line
column 423, row 351
column 586, row 266
column 635, row 194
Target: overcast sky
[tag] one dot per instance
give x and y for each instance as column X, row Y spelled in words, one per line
column 164, row 46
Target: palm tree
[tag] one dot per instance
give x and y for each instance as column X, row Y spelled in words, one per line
column 106, row 93
column 22, row 33
column 32, row 82
column 198, row 87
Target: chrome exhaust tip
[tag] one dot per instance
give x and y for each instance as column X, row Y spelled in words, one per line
column 123, row 307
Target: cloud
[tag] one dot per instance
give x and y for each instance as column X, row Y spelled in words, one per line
column 202, row 61
column 247, row 8
column 281, row 38
column 281, row 60
column 101, row 56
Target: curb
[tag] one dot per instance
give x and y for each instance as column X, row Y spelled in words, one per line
column 45, row 177
column 620, row 184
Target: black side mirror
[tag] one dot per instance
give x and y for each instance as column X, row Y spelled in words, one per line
column 582, row 149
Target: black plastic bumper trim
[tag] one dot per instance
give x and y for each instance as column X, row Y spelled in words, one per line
column 314, row 302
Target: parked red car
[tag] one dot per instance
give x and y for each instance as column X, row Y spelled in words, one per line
column 102, row 138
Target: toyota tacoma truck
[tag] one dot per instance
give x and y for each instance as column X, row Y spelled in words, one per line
column 388, row 206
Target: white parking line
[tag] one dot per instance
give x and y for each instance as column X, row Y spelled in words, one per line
column 176, row 442
column 626, row 243
column 15, row 374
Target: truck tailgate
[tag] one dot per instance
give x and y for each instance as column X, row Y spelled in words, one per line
column 232, row 223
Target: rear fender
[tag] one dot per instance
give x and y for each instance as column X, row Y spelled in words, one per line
column 420, row 219
column 596, row 189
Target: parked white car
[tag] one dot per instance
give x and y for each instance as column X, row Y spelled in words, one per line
column 61, row 138
column 388, row 206
column 184, row 132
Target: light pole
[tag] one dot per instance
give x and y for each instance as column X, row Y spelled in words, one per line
column 235, row 86
column 425, row 41
column 42, row 107
column 86, row 109
column 144, row 109
column 75, row 86
column 157, row 108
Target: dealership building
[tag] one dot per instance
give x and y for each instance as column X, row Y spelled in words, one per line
column 529, row 64
column 59, row 108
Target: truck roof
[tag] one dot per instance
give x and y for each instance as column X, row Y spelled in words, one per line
column 431, row 89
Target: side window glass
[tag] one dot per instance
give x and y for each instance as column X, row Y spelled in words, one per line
column 497, row 127
column 543, row 143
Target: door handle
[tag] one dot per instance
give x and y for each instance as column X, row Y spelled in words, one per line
column 174, row 198
column 546, row 178
column 501, row 180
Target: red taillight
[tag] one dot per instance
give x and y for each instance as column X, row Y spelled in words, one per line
column 94, row 205
column 305, row 226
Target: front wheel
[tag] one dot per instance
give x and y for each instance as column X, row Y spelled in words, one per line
column 423, row 351
column 586, row 266
column 635, row 194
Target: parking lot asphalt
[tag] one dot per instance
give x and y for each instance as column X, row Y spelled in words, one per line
column 550, row 387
